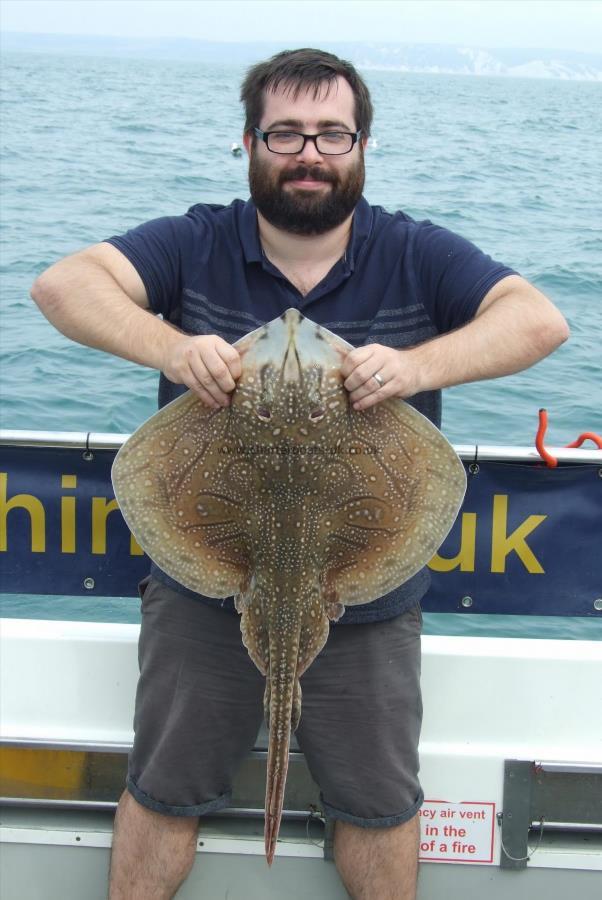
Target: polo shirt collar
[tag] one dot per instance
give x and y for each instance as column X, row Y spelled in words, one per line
column 361, row 226
column 249, row 233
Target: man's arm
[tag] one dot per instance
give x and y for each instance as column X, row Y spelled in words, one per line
column 96, row 297
column 515, row 326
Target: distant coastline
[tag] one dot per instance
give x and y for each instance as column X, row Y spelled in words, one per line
column 443, row 59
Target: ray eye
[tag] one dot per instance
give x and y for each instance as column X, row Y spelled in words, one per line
column 318, row 413
column 263, row 413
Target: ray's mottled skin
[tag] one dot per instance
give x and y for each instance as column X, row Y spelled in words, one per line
column 291, row 501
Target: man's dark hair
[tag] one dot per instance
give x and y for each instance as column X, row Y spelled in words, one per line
column 299, row 70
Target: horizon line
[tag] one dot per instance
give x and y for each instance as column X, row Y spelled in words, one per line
column 253, row 43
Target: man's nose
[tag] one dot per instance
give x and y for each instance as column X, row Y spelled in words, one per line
column 309, row 154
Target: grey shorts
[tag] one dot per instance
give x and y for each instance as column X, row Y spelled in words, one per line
column 199, row 706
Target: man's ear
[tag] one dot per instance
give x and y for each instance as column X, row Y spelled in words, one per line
column 247, row 140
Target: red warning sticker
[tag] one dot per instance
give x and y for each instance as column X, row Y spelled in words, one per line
column 457, row 832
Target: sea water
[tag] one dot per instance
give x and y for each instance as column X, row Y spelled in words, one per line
column 94, row 146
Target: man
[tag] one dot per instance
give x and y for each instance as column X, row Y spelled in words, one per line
column 425, row 310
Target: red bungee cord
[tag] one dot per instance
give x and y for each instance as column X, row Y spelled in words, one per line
column 550, row 460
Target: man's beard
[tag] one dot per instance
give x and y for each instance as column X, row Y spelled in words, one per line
column 305, row 212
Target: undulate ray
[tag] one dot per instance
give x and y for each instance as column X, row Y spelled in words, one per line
column 291, row 501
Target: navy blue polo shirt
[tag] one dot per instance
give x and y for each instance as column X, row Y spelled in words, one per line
column 400, row 282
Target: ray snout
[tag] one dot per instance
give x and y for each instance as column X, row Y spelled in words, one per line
column 291, row 368
column 293, row 346
column 293, row 323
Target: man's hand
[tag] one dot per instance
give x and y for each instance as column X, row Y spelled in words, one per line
column 374, row 373
column 206, row 364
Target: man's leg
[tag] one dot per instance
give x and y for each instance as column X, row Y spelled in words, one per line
column 378, row 863
column 152, row 853
column 359, row 731
column 198, row 711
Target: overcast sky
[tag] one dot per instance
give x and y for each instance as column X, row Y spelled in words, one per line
column 550, row 24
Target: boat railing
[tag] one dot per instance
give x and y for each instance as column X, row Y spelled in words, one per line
column 526, row 540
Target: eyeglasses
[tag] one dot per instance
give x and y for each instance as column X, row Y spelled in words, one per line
column 327, row 143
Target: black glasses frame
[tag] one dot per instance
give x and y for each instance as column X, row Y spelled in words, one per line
column 265, row 135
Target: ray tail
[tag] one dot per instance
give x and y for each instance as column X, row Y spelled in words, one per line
column 284, row 691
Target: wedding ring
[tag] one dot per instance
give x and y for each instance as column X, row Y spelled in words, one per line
column 378, row 378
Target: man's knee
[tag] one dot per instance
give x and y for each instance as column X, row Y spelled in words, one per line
column 378, row 862
column 152, row 853
column 130, row 808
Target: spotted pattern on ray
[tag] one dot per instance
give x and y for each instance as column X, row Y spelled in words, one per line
column 290, row 500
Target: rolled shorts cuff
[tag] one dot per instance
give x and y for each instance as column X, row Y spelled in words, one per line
column 383, row 822
column 202, row 809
